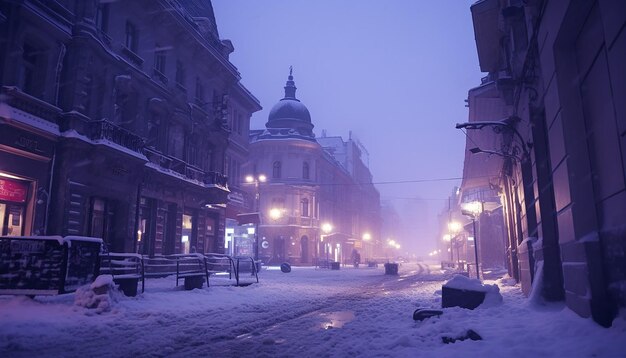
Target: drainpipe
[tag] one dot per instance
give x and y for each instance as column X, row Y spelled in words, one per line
column 137, row 207
column 49, row 198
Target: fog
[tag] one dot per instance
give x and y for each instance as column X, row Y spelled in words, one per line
column 394, row 73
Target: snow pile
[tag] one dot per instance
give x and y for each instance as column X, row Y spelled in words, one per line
column 492, row 292
column 98, row 295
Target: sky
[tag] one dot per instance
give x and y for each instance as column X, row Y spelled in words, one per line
column 394, row 73
column 305, row 313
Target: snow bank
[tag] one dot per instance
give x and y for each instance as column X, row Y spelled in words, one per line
column 98, row 295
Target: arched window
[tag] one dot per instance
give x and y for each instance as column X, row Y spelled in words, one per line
column 305, row 207
column 276, row 169
column 305, row 170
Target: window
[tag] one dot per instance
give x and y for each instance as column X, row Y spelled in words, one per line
column 239, row 123
column 131, row 37
column 159, row 59
column 305, row 170
column 193, row 156
column 199, row 92
column 176, row 141
column 187, row 234
column 102, row 17
column 278, row 203
column 305, row 207
column 180, row 74
column 276, row 169
column 33, row 70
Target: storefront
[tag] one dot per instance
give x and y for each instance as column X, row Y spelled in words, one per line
column 25, row 171
column 13, row 203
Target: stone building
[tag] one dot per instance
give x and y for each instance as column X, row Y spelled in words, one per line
column 556, row 71
column 115, row 121
column 309, row 184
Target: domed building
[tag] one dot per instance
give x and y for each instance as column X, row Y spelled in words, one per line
column 306, row 187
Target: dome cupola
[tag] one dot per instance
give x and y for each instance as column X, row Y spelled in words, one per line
column 289, row 113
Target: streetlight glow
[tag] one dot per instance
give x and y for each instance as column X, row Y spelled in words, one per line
column 262, row 178
column 275, row 213
column 367, row 236
column 326, row 227
column 475, row 207
column 249, row 178
column 447, row 237
column 454, row 226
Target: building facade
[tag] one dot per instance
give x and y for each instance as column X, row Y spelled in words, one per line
column 309, row 188
column 115, row 120
column 556, row 69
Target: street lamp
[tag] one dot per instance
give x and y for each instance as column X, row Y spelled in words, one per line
column 473, row 210
column 448, row 238
column 454, row 228
column 256, row 180
column 326, row 229
column 276, row 213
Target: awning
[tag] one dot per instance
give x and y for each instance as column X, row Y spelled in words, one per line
column 249, row 218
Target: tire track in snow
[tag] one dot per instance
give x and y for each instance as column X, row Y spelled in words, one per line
column 262, row 340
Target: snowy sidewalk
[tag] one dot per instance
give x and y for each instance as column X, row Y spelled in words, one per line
column 305, row 313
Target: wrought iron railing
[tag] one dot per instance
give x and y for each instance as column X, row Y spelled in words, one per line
column 187, row 170
column 106, row 130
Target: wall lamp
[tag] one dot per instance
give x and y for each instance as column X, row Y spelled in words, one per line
column 506, row 124
column 477, row 150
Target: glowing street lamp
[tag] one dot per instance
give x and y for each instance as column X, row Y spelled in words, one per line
column 256, row 180
column 276, row 213
column 454, row 227
column 473, row 210
column 326, row 229
column 367, row 236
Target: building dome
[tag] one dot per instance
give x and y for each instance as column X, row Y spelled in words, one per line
column 291, row 109
column 290, row 114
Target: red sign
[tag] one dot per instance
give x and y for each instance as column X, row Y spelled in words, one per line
column 11, row 190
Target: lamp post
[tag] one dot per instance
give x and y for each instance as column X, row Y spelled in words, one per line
column 256, row 180
column 326, row 228
column 448, row 238
column 473, row 209
column 454, row 228
column 367, row 237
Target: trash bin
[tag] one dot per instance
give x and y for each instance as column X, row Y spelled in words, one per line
column 454, row 297
column 285, row 267
column 128, row 286
column 335, row 265
column 391, row 268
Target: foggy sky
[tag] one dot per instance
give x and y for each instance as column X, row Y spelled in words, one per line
column 394, row 72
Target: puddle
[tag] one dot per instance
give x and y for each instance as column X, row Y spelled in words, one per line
column 331, row 320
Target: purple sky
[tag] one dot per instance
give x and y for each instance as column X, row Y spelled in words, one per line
column 394, row 72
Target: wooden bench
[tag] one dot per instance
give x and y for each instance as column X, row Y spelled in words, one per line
column 126, row 270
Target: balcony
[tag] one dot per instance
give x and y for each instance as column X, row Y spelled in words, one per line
column 186, row 170
column 105, row 130
column 29, row 104
column 132, row 56
column 215, row 178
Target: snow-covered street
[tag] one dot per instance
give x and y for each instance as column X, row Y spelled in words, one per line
column 305, row 313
